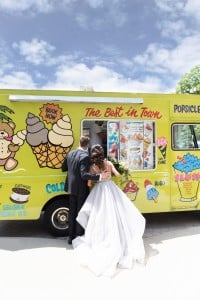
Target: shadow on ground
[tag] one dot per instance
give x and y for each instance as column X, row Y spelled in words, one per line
column 20, row 235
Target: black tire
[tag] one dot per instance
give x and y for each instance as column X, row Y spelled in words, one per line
column 56, row 218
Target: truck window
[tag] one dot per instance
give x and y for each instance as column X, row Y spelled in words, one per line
column 127, row 141
column 185, row 136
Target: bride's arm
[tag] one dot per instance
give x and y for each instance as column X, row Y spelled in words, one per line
column 113, row 169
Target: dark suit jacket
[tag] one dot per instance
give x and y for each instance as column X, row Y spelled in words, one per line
column 77, row 163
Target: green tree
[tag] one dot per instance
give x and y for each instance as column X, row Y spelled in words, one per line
column 190, row 82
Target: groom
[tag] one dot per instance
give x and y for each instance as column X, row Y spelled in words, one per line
column 77, row 163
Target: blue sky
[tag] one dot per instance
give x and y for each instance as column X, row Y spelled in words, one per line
column 109, row 45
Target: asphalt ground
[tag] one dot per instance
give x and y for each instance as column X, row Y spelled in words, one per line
column 35, row 265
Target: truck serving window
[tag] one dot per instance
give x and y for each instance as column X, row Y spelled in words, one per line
column 185, row 136
column 127, row 141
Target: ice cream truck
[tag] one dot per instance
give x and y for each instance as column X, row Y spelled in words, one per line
column 153, row 140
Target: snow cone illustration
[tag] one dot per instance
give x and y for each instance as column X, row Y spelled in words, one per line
column 162, row 145
column 152, row 193
column 131, row 190
column 187, row 176
column 49, row 146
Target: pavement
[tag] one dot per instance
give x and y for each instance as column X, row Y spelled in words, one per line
column 46, row 267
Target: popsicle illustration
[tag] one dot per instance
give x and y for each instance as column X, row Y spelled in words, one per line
column 152, row 193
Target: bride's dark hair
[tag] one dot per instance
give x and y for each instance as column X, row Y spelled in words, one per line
column 97, row 155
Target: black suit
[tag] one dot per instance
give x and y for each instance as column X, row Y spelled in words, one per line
column 77, row 163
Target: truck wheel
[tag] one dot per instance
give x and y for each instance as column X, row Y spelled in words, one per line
column 56, row 218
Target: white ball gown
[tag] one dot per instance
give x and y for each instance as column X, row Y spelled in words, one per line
column 114, row 229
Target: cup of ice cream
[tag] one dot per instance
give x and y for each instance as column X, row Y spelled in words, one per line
column 131, row 189
column 19, row 195
column 187, row 176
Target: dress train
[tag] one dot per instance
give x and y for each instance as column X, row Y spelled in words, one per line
column 113, row 230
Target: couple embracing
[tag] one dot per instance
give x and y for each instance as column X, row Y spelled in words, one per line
column 105, row 228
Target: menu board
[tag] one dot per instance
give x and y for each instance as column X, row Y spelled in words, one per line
column 132, row 142
column 113, row 143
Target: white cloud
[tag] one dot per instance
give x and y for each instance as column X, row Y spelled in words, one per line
column 178, row 18
column 170, row 6
column 82, row 20
column 46, row 6
column 84, row 11
column 36, row 51
column 192, row 8
column 95, row 3
column 13, row 6
column 177, row 60
column 156, row 62
column 101, row 79
column 17, row 80
column 175, row 29
column 103, row 3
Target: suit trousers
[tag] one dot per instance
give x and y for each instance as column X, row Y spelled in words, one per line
column 75, row 204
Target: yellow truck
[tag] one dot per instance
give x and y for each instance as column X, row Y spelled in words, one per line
column 153, row 139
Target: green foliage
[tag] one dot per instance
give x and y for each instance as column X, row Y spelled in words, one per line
column 190, row 82
column 5, row 109
column 120, row 167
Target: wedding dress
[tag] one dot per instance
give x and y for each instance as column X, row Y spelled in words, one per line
column 114, row 229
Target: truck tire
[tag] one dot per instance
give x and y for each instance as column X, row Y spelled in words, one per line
column 56, row 218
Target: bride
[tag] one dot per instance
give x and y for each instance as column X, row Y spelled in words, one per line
column 113, row 225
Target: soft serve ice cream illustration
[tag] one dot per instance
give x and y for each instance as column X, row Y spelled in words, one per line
column 60, row 141
column 37, row 138
column 49, row 146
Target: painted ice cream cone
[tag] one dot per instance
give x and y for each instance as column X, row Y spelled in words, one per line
column 162, row 146
column 37, row 138
column 60, row 142
column 163, row 150
column 49, row 146
column 41, row 153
